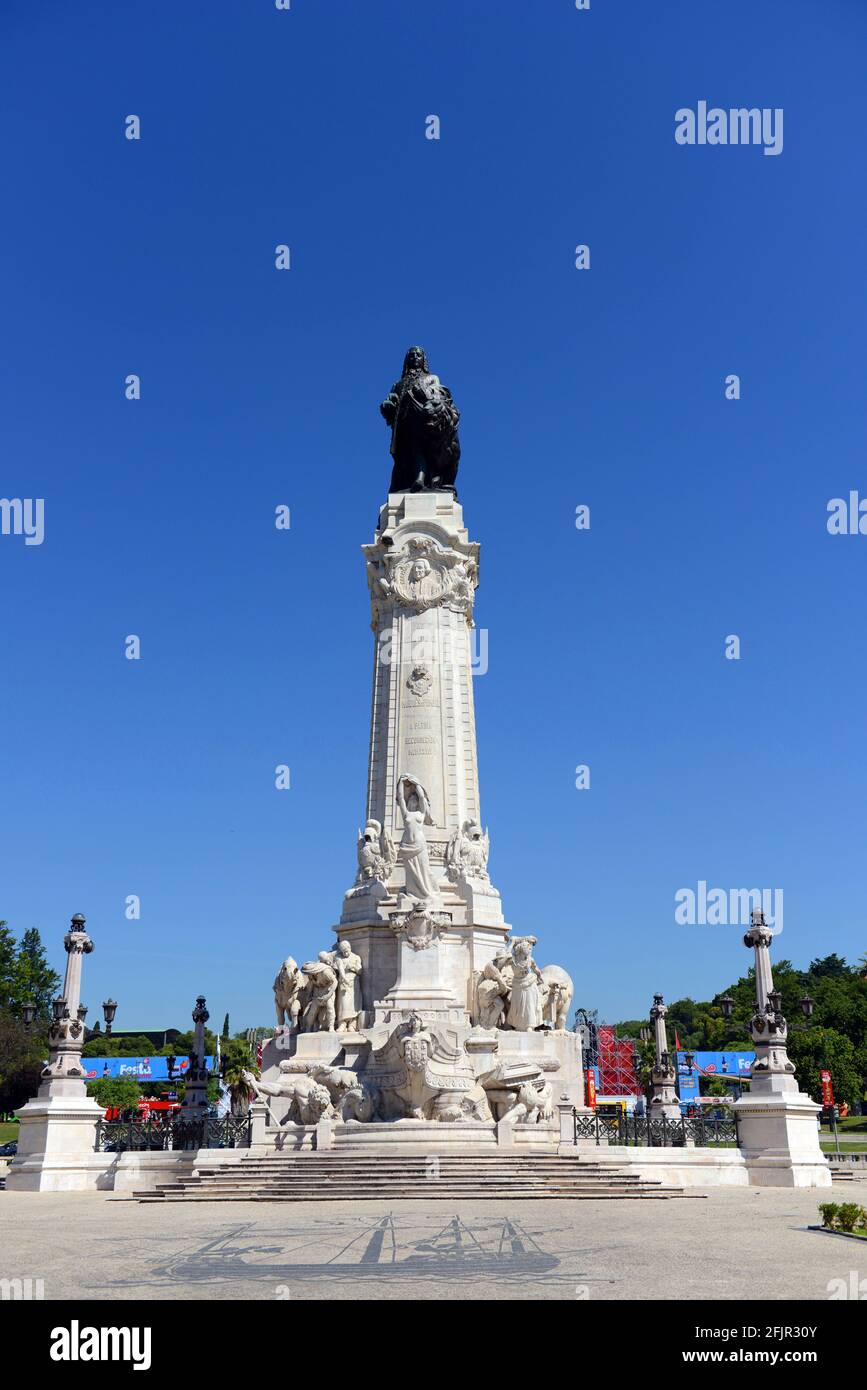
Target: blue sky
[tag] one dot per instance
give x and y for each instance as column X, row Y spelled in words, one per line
column 259, row 387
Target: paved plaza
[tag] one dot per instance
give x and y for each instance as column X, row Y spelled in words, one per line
column 730, row 1244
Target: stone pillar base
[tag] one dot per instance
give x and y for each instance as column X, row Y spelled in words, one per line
column 57, row 1146
column 779, row 1139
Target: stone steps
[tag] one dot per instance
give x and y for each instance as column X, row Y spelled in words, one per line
column 312, row 1177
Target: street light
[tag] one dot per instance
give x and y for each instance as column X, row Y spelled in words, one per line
column 807, row 1007
column 727, row 1004
column 58, row 1009
column 28, row 1013
column 109, row 1009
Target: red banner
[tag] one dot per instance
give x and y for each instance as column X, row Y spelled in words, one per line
column 827, row 1088
column 591, row 1090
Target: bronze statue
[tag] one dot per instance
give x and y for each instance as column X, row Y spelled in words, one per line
column 424, row 429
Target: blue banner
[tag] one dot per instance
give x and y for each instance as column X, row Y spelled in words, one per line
column 137, row 1068
column 717, row 1066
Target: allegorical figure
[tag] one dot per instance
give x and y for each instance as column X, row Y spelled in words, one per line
column 424, row 429
column 288, row 988
column 376, row 853
column 415, row 809
column 347, row 967
column 319, row 1011
column 527, row 989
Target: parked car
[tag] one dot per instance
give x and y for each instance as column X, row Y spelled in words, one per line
column 9, row 1150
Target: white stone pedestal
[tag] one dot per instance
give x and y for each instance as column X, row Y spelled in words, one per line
column 779, row 1138
column 777, row 1130
column 57, row 1139
column 56, row 1146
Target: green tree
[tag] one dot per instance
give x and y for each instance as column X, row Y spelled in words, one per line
column 225, row 1032
column 235, row 1052
column 240, row 1090
column 824, row 1048
column 9, row 976
column 23, row 1054
column 107, row 1045
column 184, row 1044
column 115, row 1092
column 37, row 980
column 828, row 965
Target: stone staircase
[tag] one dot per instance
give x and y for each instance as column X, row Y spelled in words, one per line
column 320, row 1177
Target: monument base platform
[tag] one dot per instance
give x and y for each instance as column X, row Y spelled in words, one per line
column 779, row 1139
column 56, row 1145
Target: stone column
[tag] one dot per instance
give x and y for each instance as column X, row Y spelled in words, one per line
column 777, row 1128
column 422, row 571
column 195, row 1102
column 57, row 1139
column 664, row 1103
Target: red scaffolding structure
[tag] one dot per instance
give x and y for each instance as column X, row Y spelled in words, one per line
column 616, row 1070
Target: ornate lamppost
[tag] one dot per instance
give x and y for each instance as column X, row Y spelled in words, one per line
column 56, row 1144
column 195, row 1102
column 64, row 1075
column 109, row 1009
column 768, row 1027
column 776, row 1121
column 664, row 1103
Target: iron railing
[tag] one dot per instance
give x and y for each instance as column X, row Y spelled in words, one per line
column 173, row 1132
column 699, row 1130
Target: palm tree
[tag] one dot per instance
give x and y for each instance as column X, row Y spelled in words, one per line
column 240, row 1091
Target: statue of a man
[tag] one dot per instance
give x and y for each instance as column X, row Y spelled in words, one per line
column 347, row 968
column 424, row 429
column 319, row 1012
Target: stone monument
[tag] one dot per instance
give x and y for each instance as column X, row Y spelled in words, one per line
column 195, row 1103
column 777, row 1128
column 664, row 1103
column 58, row 1127
column 428, row 1008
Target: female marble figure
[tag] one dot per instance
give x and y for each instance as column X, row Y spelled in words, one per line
column 415, row 809
column 528, row 988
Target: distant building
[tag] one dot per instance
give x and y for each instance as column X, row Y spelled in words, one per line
column 159, row 1037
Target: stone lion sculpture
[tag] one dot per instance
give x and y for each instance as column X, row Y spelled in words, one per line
column 349, row 1097
column 534, row 1102
column 358, row 1103
column 517, row 1091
